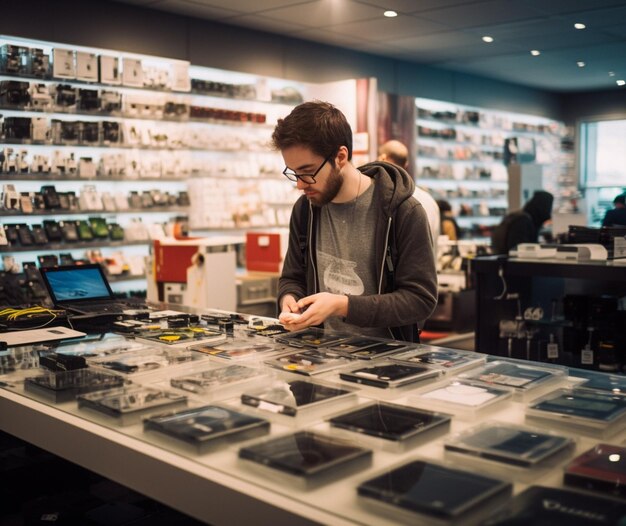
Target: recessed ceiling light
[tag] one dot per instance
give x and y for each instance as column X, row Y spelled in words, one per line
column 578, row 25
column 487, row 38
column 620, row 82
column 535, row 52
column 390, row 14
column 580, row 64
column 611, row 73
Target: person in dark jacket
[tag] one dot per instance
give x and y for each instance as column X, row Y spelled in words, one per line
column 616, row 216
column 367, row 264
column 522, row 226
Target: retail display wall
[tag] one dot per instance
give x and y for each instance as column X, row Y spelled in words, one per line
column 312, row 427
column 460, row 158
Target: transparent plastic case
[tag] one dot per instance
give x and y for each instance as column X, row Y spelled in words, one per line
column 602, row 468
column 62, row 386
column 369, row 348
column 426, row 492
column 93, row 347
column 220, row 382
column 234, row 350
column 527, row 380
column 208, row 427
column 539, row 505
column 509, row 450
column 309, row 362
column 146, row 360
column 450, row 361
column 181, row 337
column 298, row 398
column 312, row 337
column 462, row 398
column 391, row 426
column 386, row 374
column 129, row 404
column 605, row 382
column 306, row 459
column 581, row 410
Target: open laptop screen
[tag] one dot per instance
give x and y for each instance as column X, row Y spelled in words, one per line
column 76, row 283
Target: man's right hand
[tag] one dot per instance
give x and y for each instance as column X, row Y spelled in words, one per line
column 290, row 311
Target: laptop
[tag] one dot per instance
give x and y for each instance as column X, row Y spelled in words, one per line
column 84, row 289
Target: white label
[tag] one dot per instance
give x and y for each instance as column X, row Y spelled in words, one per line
column 586, row 356
column 619, row 247
column 553, row 350
column 273, row 408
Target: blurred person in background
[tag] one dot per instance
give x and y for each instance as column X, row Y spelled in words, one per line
column 617, row 215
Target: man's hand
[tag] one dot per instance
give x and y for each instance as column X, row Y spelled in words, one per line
column 313, row 310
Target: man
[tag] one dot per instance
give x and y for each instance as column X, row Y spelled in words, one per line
column 359, row 257
column 522, row 226
column 397, row 153
column 616, row 216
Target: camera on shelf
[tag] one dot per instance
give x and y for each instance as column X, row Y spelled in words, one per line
column 110, row 101
column 65, row 132
column 90, row 132
column 14, row 93
column 14, row 59
column 39, row 63
column 10, row 197
column 40, row 98
column 111, row 132
column 18, row 128
column 64, row 95
column 8, row 163
column 40, row 164
column 88, row 99
column 40, row 132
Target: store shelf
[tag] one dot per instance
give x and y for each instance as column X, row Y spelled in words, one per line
column 59, row 212
column 57, row 247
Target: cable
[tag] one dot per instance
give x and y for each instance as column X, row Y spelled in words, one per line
column 504, row 285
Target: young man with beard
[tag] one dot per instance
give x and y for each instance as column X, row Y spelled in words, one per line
column 360, row 258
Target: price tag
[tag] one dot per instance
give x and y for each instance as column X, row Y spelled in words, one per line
column 553, row 351
column 586, row 356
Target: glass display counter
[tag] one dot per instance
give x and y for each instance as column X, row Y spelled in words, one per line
column 215, row 457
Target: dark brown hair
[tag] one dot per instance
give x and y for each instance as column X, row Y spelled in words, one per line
column 316, row 125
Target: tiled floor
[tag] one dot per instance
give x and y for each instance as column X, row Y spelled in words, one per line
column 39, row 488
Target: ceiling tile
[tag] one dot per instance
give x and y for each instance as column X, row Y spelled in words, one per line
column 411, row 6
column 481, row 13
column 330, row 37
column 264, row 23
column 322, row 13
column 570, row 6
column 194, row 9
column 597, row 18
column 561, row 40
column 382, row 29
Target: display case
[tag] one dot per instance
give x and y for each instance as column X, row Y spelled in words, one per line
column 460, row 158
column 550, row 310
column 351, row 459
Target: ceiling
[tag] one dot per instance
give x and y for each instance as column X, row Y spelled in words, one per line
column 448, row 33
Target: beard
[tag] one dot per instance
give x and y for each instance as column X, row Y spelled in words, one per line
column 330, row 190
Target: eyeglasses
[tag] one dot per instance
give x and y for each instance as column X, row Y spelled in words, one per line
column 305, row 178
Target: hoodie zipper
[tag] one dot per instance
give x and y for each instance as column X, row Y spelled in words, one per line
column 382, row 266
column 311, row 258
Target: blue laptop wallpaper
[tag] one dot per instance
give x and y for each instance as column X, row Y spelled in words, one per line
column 77, row 284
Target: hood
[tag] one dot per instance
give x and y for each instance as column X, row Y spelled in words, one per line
column 540, row 207
column 394, row 183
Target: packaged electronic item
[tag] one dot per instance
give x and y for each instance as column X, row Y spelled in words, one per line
column 109, row 69
column 402, row 427
column 86, row 66
column 17, row 128
column 387, row 374
column 208, row 427
column 63, row 386
column 62, row 362
column 128, row 405
column 368, row 348
column 462, row 398
column 14, row 93
column 182, row 336
column 220, row 382
column 591, row 412
column 309, row 362
column 448, row 360
column 297, row 397
column 238, row 349
column 602, row 468
column 425, row 491
column 558, row 507
column 14, row 59
column 506, row 447
column 145, row 360
column 132, row 72
column 604, row 382
column 306, row 459
column 311, row 337
column 525, row 379
column 63, row 65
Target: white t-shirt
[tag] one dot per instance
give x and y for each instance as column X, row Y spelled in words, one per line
column 432, row 211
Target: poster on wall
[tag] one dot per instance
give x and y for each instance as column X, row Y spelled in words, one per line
column 396, row 120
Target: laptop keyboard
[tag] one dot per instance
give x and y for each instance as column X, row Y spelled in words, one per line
column 114, row 308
